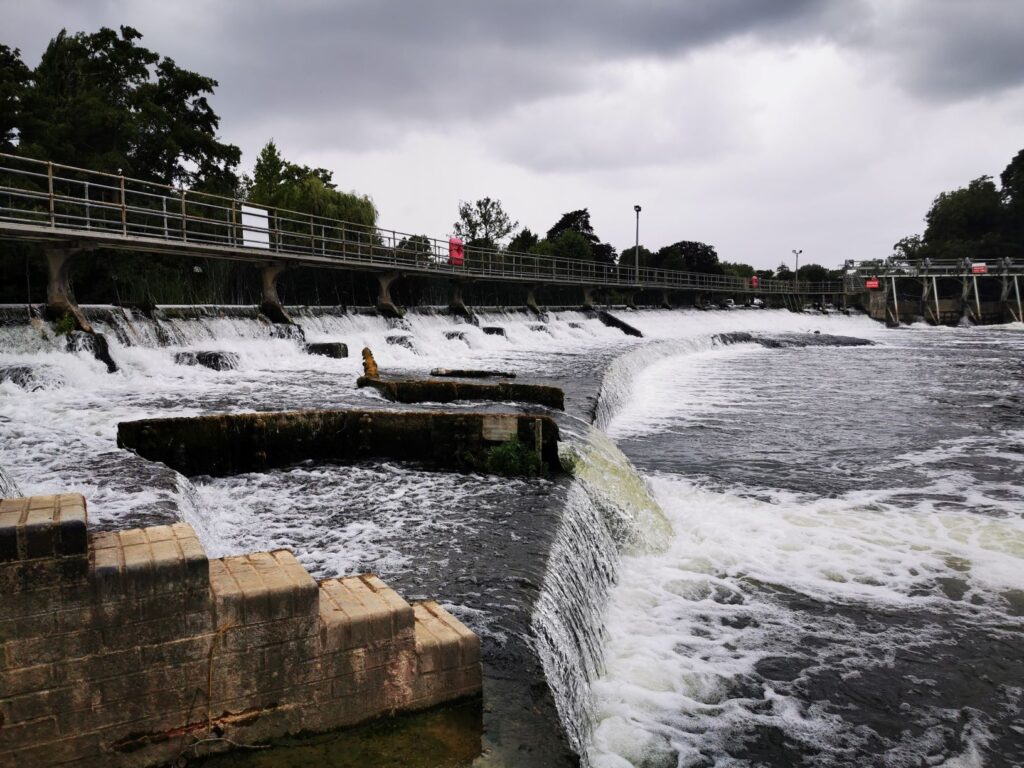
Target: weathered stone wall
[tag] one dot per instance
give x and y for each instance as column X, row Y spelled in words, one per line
column 130, row 648
column 253, row 442
column 433, row 391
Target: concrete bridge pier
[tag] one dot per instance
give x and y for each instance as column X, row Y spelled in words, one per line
column 456, row 304
column 270, row 303
column 1010, row 299
column 588, row 297
column 666, row 303
column 385, row 305
column 60, row 301
column 531, row 300
column 970, row 300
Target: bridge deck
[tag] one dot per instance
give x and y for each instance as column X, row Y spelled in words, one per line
column 55, row 203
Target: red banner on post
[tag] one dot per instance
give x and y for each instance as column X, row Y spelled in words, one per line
column 979, row 269
column 871, row 282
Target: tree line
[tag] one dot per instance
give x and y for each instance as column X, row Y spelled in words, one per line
column 103, row 101
column 980, row 222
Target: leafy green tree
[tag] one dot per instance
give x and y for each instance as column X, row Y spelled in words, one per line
column 966, row 222
column 572, row 245
column 484, row 224
column 277, row 183
column 908, row 248
column 737, row 270
column 579, row 222
column 690, row 256
column 814, row 273
column 523, row 242
column 1012, row 192
column 628, row 257
column 103, row 102
column 14, row 76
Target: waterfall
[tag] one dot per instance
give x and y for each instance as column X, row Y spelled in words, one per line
column 8, row 488
column 609, row 510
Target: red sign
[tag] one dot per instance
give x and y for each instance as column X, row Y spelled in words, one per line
column 979, row 269
column 753, row 281
column 871, row 282
column 455, row 252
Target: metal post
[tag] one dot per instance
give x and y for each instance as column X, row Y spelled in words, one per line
column 1016, row 289
column 796, row 272
column 977, row 298
column 49, row 182
column 163, row 205
column 184, row 218
column 935, row 291
column 895, row 301
column 88, row 208
column 636, row 251
column 124, row 210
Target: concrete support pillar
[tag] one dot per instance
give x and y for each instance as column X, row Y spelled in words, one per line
column 456, row 305
column 630, row 297
column 665, row 302
column 588, row 298
column 59, row 299
column 385, row 305
column 531, row 300
column 270, row 305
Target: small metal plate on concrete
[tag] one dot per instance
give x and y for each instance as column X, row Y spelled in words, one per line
column 499, row 427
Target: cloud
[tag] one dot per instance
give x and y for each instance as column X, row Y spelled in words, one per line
column 945, row 50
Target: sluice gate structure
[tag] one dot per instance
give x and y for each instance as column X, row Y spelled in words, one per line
column 72, row 210
column 941, row 291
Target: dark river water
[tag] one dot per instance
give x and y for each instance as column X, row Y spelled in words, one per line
column 817, row 560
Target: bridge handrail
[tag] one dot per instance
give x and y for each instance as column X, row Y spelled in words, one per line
column 54, row 195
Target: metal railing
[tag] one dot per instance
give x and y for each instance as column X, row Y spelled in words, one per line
column 964, row 267
column 46, row 200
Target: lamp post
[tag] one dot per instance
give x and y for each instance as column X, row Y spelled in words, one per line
column 796, row 272
column 636, row 251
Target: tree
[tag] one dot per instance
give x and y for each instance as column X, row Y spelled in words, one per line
column 966, row 222
column 523, row 242
column 1012, row 192
column 14, row 77
column 737, row 270
column 579, row 222
column 690, row 256
column 908, row 248
column 628, row 257
column 572, row 245
column 277, row 183
column 102, row 101
column 814, row 273
column 484, row 224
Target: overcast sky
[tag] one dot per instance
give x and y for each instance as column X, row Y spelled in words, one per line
column 758, row 126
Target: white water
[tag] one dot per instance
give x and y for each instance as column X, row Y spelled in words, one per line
column 633, row 643
column 687, row 626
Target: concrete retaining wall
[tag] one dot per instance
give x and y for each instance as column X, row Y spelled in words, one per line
column 131, row 648
column 253, row 442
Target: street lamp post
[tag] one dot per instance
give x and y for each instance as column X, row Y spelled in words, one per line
column 636, row 251
column 796, row 273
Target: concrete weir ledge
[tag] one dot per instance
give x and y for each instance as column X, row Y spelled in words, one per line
column 132, row 648
column 231, row 444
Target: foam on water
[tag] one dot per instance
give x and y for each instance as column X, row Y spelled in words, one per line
column 723, row 638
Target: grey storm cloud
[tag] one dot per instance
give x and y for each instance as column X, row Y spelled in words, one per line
column 367, row 71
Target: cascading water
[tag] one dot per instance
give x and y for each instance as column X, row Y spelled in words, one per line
column 655, row 590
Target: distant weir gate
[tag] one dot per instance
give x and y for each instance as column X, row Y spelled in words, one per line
column 942, row 291
column 73, row 210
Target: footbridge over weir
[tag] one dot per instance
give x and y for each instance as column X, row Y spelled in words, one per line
column 942, row 291
column 71, row 210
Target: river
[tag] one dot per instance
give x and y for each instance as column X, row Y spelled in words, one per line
column 814, row 554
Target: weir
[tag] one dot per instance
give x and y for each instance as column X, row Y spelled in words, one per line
column 254, row 442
